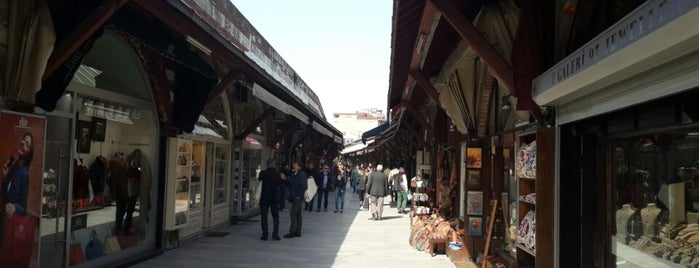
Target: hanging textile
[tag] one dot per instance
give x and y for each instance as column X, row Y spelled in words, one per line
column 30, row 40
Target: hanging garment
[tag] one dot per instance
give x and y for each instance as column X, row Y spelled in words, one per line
column 81, row 181
column 98, row 174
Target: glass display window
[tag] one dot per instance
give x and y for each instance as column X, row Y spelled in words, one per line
column 656, row 198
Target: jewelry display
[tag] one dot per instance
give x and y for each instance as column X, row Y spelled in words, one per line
column 649, row 214
column 622, row 218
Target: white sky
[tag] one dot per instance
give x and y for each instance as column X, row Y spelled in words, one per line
column 341, row 49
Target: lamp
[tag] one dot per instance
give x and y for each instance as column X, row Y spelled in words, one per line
column 505, row 102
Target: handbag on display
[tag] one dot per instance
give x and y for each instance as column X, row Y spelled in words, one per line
column 127, row 240
column 111, row 244
column 77, row 255
column 19, row 240
column 94, row 249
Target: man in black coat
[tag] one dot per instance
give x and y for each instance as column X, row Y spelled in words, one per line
column 270, row 199
column 297, row 188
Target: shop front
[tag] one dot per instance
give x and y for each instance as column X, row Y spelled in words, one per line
column 209, row 165
column 627, row 142
column 97, row 194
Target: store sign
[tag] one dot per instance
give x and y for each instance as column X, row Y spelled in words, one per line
column 264, row 95
column 647, row 18
column 78, row 222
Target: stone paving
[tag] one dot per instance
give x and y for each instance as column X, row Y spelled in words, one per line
column 349, row 239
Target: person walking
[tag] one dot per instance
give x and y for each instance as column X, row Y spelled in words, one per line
column 270, row 199
column 378, row 189
column 402, row 191
column 297, row 187
column 361, row 189
column 354, row 178
column 392, row 179
column 340, row 184
column 323, row 182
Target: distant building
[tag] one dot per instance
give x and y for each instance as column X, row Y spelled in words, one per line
column 353, row 125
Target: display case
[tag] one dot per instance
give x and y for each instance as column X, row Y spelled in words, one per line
column 534, row 175
column 179, row 173
column 220, row 190
column 420, row 200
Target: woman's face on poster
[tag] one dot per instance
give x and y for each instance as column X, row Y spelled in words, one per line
column 25, row 144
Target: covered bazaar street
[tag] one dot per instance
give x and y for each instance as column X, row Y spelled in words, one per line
column 349, row 239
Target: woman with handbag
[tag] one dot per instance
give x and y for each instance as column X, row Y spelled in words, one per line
column 17, row 226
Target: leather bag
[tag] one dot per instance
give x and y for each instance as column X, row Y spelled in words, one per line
column 77, row 255
column 94, row 249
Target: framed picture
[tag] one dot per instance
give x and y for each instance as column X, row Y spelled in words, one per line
column 474, row 179
column 475, row 226
column 83, row 133
column 474, row 203
column 99, row 127
column 473, row 157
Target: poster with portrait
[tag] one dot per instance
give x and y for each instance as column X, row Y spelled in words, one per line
column 83, row 133
column 474, row 178
column 475, row 226
column 474, row 203
column 22, row 157
column 473, row 157
column 99, row 128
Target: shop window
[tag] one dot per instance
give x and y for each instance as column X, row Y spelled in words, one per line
column 656, row 198
column 114, row 178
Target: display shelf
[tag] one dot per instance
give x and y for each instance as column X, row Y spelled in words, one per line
column 179, row 173
column 534, row 173
column 524, row 248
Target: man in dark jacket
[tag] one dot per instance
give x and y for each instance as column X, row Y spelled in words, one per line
column 297, row 187
column 378, row 189
column 270, row 199
column 323, row 180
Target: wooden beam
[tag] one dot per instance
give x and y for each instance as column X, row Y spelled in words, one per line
column 182, row 24
column 417, row 137
column 419, row 118
column 286, row 132
column 256, row 123
column 484, row 102
column 428, row 14
column 80, row 34
column 227, row 81
column 500, row 68
column 425, row 85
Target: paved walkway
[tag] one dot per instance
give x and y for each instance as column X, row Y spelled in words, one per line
column 349, row 239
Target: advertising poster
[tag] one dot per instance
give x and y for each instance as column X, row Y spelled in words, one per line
column 22, row 155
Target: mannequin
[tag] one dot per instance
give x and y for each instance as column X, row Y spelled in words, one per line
column 648, row 216
column 622, row 218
